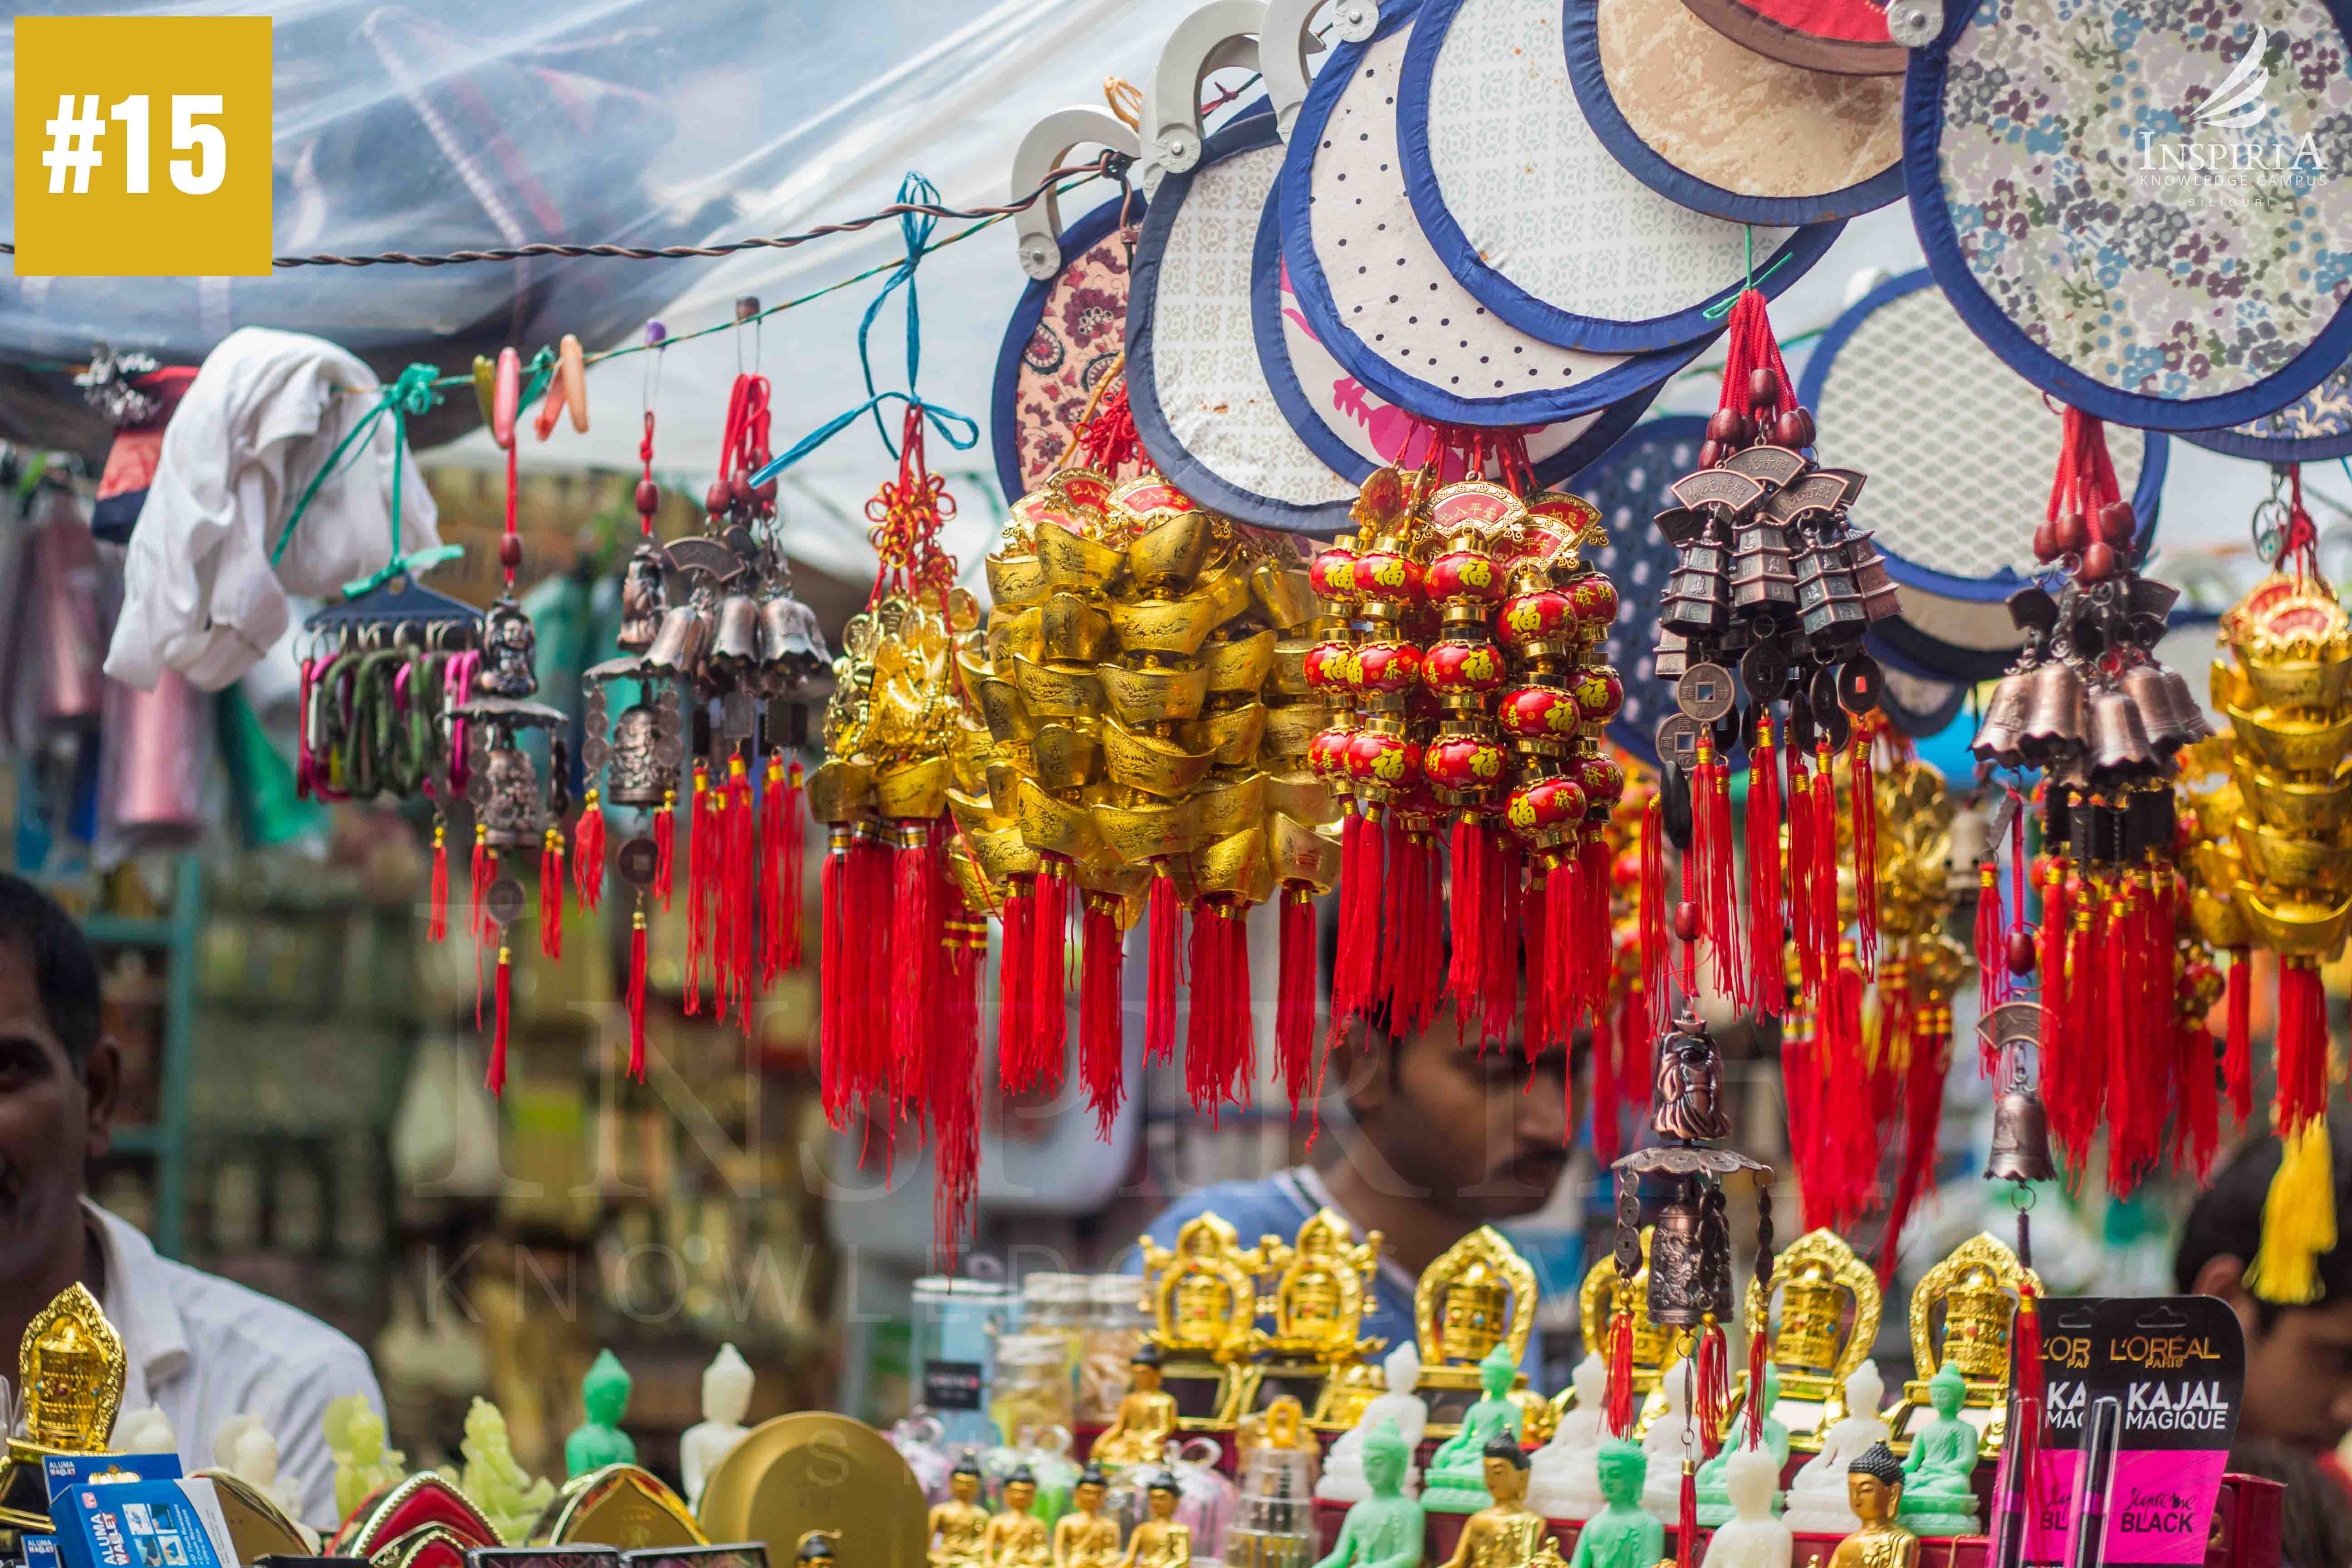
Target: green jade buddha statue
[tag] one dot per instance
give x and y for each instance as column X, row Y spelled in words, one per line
column 1714, row 1491
column 599, row 1440
column 1936, row 1497
column 1383, row 1529
column 1457, row 1479
column 495, row 1481
column 1623, row 1534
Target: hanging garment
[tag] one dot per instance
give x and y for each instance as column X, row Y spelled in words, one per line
column 264, row 416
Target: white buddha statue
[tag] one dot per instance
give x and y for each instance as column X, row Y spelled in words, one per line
column 146, row 1430
column 1753, row 1539
column 1343, row 1467
column 1673, row 1437
column 726, row 1395
column 1565, row 1482
column 1816, row 1497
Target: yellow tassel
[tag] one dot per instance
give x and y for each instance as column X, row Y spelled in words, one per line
column 2298, row 1219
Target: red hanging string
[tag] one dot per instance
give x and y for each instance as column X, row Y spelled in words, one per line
column 637, row 992
column 1863, row 809
column 1218, row 1066
column 1992, row 966
column 2237, row 1053
column 1754, row 1408
column 1161, row 921
column 436, row 918
column 1651, row 913
column 951, row 1091
column 914, row 937
column 664, row 836
column 551, row 894
column 485, row 869
column 702, row 839
column 2302, row 1046
column 787, row 911
column 833, row 1050
column 1049, row 1019
column 1466, row 860
column 1509, row 907
column 1294, row 1015
column 588, row 853
column 1016, row 963
column 1102, row 1039
column 1618, row 1412
column 1766, row 938
column 1714, row 1385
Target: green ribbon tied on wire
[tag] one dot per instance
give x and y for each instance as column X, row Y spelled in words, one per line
column 960, row 431
column 410, row 393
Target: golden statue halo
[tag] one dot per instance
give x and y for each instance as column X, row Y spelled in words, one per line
column 70, row 1367
column 1483, row 1250
column 1983, row 1251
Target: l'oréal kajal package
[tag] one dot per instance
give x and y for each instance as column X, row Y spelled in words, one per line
column 2176, row 1368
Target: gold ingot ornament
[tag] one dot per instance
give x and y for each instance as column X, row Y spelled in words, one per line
column 1151, row 764
column 1153, row 694
column 1015, row 581
column 1228, row 804
column 1148, row 829
column 1071, row 561
column 1239, row 664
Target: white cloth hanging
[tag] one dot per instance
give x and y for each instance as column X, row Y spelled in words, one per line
column 258, row 423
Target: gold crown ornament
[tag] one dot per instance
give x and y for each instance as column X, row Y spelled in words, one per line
column 1960, row 1314
column 1478, row 1294
column 1830, row 1306
column 70, row 1367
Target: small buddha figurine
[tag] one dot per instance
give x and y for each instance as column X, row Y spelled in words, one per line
column 1818, row 1493
column 1503, row 1534
column 146, row 1430
column 1623, row 1534
column 1715, row 1502
column 1567, row 1485
column 1161, row 1541
column 599, row 1441
column 1753, row 1538
column 1672, row 1441
column 1344, row 1479
column 1384, row 1528
column 1015, row 1538
column 495, row 1482
column 1936, row 1497
column 1146, row 1419
column 1875, row 1493
column 726, row 1396
column 1084, row 1538
column 364, row 1466
column 257, row 1467
column 1456, row 1481
column 815, row 1549
column 960, row 1525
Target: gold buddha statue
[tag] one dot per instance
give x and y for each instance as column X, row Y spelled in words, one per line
column 70, row 1367
column 960, row 1525
column 1478, row 1294
column 1014, row 1537
column 1146, row 1417
column 1830, row 1307
column 1976, row 1289
column 1873, row 1490
column 1202, row 1296
column 1653, row 1345
column 1321, row 1282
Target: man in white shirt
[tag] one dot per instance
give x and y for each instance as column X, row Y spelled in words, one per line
column 200, row 1348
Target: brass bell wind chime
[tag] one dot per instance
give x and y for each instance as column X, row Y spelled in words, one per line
column 2089, row 704
column 1689, row 1255
column 1772, row 579
column 1467, row 700
column 724, row 675
column 2271, row 812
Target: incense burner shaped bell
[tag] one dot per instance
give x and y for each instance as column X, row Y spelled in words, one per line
column 1961, row 1312
column 1830, row 1306
column 70, row 1367
column 1478, row 1294
column 513, row 807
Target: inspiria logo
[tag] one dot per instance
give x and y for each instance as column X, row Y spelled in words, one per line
column 2238, row 103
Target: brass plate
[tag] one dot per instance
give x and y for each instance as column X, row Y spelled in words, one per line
column 619, row 1505
column 817, row 1470
column 258, row 1527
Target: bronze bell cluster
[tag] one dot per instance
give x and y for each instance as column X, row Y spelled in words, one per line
column 1767, row 558
column 512, row 811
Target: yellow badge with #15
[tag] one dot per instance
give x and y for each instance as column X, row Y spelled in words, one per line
column 143, row 146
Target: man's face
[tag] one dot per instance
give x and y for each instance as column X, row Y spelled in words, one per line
column 2299, row 1371
column 1483, row 1135
column 52, row 1119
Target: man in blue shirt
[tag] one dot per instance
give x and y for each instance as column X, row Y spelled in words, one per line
column 1446, row 1137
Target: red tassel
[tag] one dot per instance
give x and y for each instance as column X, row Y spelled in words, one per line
column 1562, row 898
column 637, row 993
column 1993, row 962
column 1416, row 980
column 771, row 856
column 551, row 894
column 1160, row 980
column 1293, row 1014
column 1686, row 1520
column 834, row 1050
column 1618, row 1411
column 1466, row 863
column 588, row 853
column 914, row 945
column 1714, row 1385
column 1719, row 913
column 665, row 835
column 495, row 1080
column 2237, row 1053
column 1650, row 914
column 951, row 1093
column 484, row 869
column 1591, row 937
column 787, row 911
column 1754, row 1409
column 1363, row 892
column 1802, row 906
column 1530, row 917
column 1102, row 1038
column 1823, row 843
column 1863, row 812
column 436, row 918
column 1218, row 1066
column 1016, row 962
column 1347, row 990
column 1768, row 989
column 1507, row 910
column 1923, row 1098
column 738, row 887
column 864, row 952
column 2302, row 1046
column 701, row 839
column 2027, row 1379
column 1049, row 997
column 2198, row 1132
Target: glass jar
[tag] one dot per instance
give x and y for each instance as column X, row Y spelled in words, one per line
column 1030, row 1391
column 1274, row 1526
column 1114, row 1330
column 957, row 1322
column 1060, row 1304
